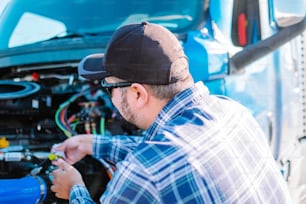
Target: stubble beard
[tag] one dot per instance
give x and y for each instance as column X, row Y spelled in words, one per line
column 126, row 109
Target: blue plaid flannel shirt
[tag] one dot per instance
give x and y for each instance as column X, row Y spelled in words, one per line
column 200, row 149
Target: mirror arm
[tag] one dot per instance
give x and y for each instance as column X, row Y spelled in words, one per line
column 254, row 52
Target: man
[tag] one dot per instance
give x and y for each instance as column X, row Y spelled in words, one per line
column 198, row 148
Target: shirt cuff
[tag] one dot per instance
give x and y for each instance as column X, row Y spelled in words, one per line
column 79, row 192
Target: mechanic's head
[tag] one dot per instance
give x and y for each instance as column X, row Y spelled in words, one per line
column 143, row 67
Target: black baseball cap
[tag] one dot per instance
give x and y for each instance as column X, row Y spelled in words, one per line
column 144, row 53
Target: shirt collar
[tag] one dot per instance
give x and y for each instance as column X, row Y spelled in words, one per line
column 177, row 105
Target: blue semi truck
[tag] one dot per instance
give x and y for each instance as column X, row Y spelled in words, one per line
column 250, row 50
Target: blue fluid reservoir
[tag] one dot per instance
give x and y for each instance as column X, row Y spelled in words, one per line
column 26, row 190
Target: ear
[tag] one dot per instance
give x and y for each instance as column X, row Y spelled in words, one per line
column 140, row 95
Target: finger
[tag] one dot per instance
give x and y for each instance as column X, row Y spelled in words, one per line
column 61, row 164
column 69, row 160
column 56, row 176
column 57, row 192
column 53, row 188
column 58, row 147
column 61, row 196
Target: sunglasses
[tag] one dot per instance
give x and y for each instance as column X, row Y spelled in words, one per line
column 110, row 86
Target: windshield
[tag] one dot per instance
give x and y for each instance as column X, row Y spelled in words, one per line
column 30, row 21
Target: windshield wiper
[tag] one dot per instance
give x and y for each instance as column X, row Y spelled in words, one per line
column 170, row 17
column 67, row 35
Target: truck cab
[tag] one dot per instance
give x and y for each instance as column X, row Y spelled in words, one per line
column 250, row 50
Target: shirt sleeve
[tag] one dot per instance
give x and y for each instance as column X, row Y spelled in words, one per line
column 80, row 195
column 114, row 148
column 130, row 184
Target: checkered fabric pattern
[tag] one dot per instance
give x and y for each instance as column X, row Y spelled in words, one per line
column 200, row 149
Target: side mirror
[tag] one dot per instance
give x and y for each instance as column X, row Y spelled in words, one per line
column 253, row 52
column 288, row 12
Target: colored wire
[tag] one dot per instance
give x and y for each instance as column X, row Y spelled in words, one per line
column 102, row 126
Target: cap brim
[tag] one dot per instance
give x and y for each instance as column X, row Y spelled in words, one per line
column 91, row 67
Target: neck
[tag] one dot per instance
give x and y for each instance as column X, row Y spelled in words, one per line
column 151, row 111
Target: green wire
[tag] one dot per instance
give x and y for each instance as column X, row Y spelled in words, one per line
column 59, row 124
column 102, row 126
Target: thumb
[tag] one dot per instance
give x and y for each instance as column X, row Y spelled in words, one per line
column 58, row 147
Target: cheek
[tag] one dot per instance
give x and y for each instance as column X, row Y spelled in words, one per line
column 117, row 102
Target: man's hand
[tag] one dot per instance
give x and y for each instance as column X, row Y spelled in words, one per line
column 75, row 148
column 64, row 178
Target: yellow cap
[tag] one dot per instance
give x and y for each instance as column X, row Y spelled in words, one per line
column 52, row 157
column 4, row 142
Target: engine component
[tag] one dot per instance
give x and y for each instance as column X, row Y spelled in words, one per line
column 24, row 190
column 12, row 90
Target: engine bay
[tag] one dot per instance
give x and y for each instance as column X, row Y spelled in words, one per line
column 44, row 105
